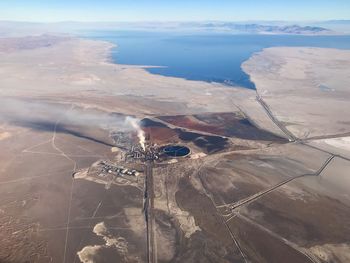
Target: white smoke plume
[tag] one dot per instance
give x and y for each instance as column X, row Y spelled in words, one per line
column 140, row 133
column 43, row 115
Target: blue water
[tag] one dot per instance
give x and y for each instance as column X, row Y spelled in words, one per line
column 210, row 57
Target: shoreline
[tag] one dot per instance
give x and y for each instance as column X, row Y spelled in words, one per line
column 116, row 87
column 292, row 79
column 94, row 75
column 66, row 115
column 232, row 78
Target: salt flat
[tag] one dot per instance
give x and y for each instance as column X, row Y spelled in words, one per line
column 306, row 88
column 246, row 194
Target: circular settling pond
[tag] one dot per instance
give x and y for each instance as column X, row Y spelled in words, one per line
column 176, row 150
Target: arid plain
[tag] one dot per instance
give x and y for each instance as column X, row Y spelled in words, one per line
column 266, row 179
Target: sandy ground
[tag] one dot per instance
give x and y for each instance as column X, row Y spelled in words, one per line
column 80, row 69
column 55, row 119
column 266, row 202
column 306, row 88
column 339, row 146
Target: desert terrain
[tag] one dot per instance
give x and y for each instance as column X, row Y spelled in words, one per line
column 265, row 177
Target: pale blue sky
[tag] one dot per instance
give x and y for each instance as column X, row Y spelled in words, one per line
column 172, row 10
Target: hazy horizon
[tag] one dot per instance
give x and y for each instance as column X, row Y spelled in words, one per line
column 181, row 10
column 178, row 21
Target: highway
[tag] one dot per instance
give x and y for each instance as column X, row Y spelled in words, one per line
column 148, row 210
column 260, row 194
column 233, row 206
column 290, row 136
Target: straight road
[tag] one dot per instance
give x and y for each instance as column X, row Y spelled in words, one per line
column 290, row 136
column 258, row 195
column 149, row 214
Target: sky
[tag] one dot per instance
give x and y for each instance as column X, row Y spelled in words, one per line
column 172, row 10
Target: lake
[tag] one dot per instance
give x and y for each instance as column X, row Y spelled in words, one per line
column 208, row 57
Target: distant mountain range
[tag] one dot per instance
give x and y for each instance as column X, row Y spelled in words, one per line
column 9, row 28
column 270, row 29
column 337, row 22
